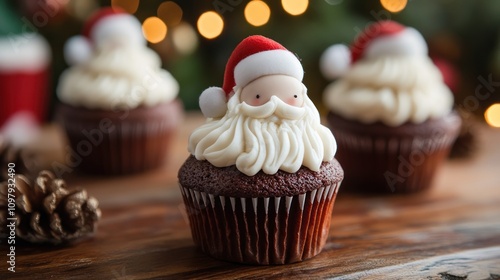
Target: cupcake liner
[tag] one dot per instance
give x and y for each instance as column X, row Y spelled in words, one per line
column 264, row 230
column 377, row 158
column 137, row 140
column 466, row 143
column 24, row 91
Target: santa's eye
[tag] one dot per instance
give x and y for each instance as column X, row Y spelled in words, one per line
column 295, row 96
column 257, row 96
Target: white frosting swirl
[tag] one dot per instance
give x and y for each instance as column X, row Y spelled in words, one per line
column 269, row 137
column 390, row 89
column 124, row 77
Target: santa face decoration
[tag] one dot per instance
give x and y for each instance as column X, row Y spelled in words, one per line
column 106, row 29
column 382, row 38
column 288, row 89
column 268, row 123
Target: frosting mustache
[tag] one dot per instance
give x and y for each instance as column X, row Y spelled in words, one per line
column 274, row 107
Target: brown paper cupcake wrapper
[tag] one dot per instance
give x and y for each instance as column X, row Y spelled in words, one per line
column 270, row 230
column 137, row 141
column 381, row 160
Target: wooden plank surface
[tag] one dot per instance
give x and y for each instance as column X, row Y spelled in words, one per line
column 449, row 232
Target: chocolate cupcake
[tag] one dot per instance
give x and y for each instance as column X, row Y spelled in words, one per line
column 390, row 110
column 118, row 106
column 261, row 219
column 120, row 142
column 261, row 181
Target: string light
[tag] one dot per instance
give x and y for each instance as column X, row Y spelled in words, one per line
column 210, row 25
column 492, row 115
column 154, row 30
column 170, row 13
column 257, row 13
column 184, row 38
column 130, row 6
column 394, row 6
column 295, row 7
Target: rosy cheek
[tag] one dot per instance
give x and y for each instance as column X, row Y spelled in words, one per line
column 292, row 101
column 256, row 102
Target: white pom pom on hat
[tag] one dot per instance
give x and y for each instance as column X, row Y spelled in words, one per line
column 103, row 25
column 378, row 39
column 213, row 102
column 254, row 57
column 77, row 49
column 335, row 61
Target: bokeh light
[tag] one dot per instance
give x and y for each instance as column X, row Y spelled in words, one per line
column 154, row 30
column 82, row 9
column 257, row 13
column 295, row 7
column 210, row 25
column 394, row 6
column 170, row 13
column 184, row 38
column 492, row 115
column 130, row 6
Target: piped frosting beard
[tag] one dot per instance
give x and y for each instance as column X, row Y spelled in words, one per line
column 271, row 137
column 118, row 78
column 392, row 90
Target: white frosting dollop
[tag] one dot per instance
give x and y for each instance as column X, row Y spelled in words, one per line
column 390, row 89
column 271, row 137
column 118, row 78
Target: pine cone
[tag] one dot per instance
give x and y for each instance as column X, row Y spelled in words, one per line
column 47, row 212
column 25, row 161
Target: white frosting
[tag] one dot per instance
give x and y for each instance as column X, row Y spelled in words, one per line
column 123, row 77
column 25, row 52
column 390, row 89
column 269, row 137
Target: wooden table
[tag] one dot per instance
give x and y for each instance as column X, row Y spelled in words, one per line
column 449, row 232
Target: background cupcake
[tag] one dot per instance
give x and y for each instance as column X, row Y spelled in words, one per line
column 261, row 180
column 390, row 110
column 118, row 104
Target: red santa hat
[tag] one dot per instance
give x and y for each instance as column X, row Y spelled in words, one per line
column 254, row 57
column 104, row 25
column 378, row 39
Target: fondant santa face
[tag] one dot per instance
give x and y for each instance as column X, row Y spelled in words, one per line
column 259, row 91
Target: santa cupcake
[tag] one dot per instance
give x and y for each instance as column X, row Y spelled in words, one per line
column 389, row 109
column 261, row 180
column 119, row 106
